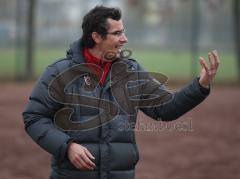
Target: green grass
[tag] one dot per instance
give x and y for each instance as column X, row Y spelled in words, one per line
column 45, row 57
column 7, row 62
column 174, row 64
column 178, row 64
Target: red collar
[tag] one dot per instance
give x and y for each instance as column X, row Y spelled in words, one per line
column 91, row 59
column 98, row 61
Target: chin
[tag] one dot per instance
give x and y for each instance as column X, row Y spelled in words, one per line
column 119, row 51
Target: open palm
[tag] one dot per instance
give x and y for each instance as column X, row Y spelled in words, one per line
column 208, row 72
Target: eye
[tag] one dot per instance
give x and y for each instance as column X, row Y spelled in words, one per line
column 117, row 33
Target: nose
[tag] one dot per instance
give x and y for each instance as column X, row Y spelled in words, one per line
column 123, row 38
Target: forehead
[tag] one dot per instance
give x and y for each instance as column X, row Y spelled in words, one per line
column 115, row 25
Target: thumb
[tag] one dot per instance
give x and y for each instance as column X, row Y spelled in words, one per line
column 201, row 61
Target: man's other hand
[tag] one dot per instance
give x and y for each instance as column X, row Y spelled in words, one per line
column 80, row 157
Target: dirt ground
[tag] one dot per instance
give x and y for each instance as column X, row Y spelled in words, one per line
column 203, row 144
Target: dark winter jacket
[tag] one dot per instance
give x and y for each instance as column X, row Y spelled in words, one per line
column 67, row 104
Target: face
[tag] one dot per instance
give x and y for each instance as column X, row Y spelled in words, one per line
column 115, row 38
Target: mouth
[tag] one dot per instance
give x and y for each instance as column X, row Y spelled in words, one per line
column 114, row 53
column 119, row 48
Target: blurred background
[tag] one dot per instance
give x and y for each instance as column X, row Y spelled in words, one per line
column 165, row 36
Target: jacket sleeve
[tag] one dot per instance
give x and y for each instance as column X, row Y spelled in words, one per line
column 39, row 114
column 173, row 104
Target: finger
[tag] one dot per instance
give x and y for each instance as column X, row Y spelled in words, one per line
column 84, row 165
column 88, row 161
column 216, row 57
column 211, row 59
column 204, row 64
column 89, row 154
column 77, row 163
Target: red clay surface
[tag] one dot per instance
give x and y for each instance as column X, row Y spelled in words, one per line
column 203, row 144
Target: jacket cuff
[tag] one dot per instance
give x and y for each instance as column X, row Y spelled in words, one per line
column 64, row 151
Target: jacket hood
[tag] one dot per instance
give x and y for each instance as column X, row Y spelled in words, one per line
column 75, row 51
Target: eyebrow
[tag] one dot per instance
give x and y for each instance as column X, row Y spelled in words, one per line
column 118, row 30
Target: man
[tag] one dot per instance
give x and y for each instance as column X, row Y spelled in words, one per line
column 80, row 104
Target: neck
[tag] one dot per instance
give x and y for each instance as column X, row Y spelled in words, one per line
column 95, row 52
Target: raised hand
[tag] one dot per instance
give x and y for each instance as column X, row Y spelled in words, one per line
column 208, row 73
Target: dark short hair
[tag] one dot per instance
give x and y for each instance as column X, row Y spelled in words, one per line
column 96, row 21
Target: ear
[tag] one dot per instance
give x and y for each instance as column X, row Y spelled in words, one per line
column 96, row 37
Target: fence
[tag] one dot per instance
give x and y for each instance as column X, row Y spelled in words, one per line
column 161, row 32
